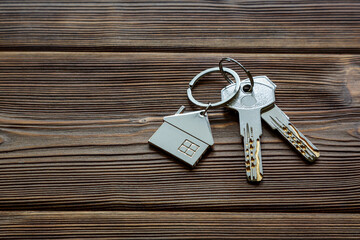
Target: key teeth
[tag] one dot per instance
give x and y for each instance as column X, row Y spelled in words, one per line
column 296, row 138
column 302, row 144
column 313, row 157
column 253, row 163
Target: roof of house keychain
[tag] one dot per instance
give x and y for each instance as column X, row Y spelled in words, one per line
column 256, row 101
column 187, row 136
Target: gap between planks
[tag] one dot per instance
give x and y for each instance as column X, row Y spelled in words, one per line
column 159, row 49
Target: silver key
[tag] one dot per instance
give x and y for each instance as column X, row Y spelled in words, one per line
column 278, row 120
column 249, row 106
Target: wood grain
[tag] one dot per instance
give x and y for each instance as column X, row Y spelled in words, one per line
column 74, row 131
column 247, row 26
column 84, row 84
column 177, row 225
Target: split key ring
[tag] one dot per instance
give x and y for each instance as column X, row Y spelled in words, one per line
column 217, row 104
column 243, row 68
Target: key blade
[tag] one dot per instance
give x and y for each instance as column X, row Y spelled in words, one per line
column 250, row 130
column 278, row 120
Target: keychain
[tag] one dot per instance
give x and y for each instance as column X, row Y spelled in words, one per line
column 187, row 136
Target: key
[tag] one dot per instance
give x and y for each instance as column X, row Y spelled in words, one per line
column 279, row 121
column 249, row 106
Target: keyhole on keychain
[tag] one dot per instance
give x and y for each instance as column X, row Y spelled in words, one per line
column 247, row 88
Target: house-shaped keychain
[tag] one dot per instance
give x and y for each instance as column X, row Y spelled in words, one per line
column 186, row 136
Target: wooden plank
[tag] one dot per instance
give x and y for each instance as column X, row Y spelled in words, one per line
column 177, row 225
column 74, row 130
column 190, row 25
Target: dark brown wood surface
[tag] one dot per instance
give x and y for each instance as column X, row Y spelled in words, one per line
column 178, row 225
column 84, row 84
column 204, row 25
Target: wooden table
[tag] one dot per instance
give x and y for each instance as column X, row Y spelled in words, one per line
column 84, row 84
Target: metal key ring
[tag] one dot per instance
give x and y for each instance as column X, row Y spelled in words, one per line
column 202, row 74
column 243, row 68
